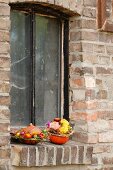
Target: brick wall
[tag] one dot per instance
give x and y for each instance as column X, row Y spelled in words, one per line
column 4, row 85
column 90, row 91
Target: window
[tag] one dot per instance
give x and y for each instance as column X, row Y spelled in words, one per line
column 39, row 62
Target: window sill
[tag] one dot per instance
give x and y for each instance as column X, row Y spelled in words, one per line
column 47, row 154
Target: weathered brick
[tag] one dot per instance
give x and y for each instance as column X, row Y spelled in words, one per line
column 99, row 48
column 4, row 127
column 75, row 36
column 90, row 3
column 4, row 87
column 73, row 154
column 90, row 36
column 107, row 115
column 59, row 155
column 87, row 47
column 4, row 100
column 78, row 94
column 89, row 24
column 73, row 47
column 102, row 70
column 107, row 160
column 4, row 140
column 24, row 156
column 4, row 114
column 75, row 24
column 90, row 94
column 4, row 23
column 50, row 155
column 4, row 62
column 4, row 75
column 89, row 12
column 106, row 136
column 4, row 47
column 77, row 82
column 4, row 36
column 4, row 9
column 42, row 155
column 80, row 154
column 4, row 153
column 88, row 155
column 32, row 156
column 102, row 94
column 66, row 155
column 109, row 50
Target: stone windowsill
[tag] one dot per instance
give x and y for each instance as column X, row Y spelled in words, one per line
column 47, row 154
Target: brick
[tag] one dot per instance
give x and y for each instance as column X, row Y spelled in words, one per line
column 87, row 70
column 88, row 155
column 101, row 149
column 90, row 3
column 83, row 116
column 90, row 36
column 106, row 115
column 106, row 137
column 77, row 82
column 89, row 24
column 4, row 10
column 79, row 105
column 102, row 70
column 89, row 82
column 75, row 36
column 32, row 156
column 4, row 127
column 4, row 24
column 80, row 137
column 107, row 160
column 4, row 87
column 89, row 94
column 104, row 60
column 4, row 140
column 50, row 156
column 42, row 155
column 4, row 75
column 66, row 156
column 80, row 154
column 87, row 47
column 4, row 47
column 4, row 114
column 89, row 12
column 78, row 94
column 4, row 100
column 24, row 156
column 74, row 58
column 73, row 154
column 99, row 48
column 93, row 138
column 109, row 50
column 4, row 153
column 73, row 47
column 4, row 62
column 59, row 155
column 90, row 58
column 4, row 36
column 75, row 24
column 101, row 94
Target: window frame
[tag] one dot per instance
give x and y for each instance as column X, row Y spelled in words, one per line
column 32, row 9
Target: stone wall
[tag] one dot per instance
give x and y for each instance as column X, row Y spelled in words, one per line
column 90, row 90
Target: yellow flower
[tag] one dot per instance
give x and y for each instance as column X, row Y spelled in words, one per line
column 64, row 122
column 63, row 129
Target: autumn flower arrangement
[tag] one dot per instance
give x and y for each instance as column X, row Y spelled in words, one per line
column 29, row 135
column 59, row 130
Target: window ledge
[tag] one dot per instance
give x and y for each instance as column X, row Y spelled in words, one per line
column 47, row 154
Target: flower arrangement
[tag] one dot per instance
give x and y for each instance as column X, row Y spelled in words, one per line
column 29, row 135
column 59, row 130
